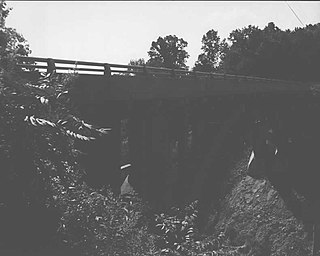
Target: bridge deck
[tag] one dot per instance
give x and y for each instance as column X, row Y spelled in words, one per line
column 106, row 81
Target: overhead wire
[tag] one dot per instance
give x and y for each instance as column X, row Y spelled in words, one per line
column 294, row 13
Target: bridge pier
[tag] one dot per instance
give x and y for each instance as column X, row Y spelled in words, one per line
column 161, row 172
column 139, row 144
column 158, row 145
column 149, row 149
column 179, row 137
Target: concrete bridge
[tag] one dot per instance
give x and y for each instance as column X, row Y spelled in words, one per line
column 182, row 127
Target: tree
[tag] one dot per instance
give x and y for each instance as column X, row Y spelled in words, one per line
column 213, row 52
column 274, row 53
column 11, row 42
column 38, row 128
column 168, row 52
column 305, row 52
column 241, row 57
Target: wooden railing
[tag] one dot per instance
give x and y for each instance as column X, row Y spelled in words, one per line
column 107, row 69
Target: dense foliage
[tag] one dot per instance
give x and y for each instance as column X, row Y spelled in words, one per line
column 38, row 125
column 102, row 224
column 213, row 49
column 168, row 52
column 272, row 52
column 269, row 52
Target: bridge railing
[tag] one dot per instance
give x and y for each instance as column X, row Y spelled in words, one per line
column 98, row 68
column 107, row 69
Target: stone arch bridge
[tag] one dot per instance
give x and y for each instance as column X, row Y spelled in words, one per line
column 177, row 125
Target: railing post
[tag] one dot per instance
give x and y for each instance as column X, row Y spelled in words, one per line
column 107, row 70
column 51, row 67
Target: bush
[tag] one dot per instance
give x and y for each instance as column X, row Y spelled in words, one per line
column 101, row 224
column 179, row 235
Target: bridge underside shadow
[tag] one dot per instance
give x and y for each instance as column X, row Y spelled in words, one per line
column 177, row 145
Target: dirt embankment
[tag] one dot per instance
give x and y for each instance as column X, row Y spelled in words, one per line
column 253, row 215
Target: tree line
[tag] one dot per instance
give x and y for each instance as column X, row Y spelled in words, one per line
column 269, row 52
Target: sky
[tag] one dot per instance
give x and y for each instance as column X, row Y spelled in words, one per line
column 119, row 31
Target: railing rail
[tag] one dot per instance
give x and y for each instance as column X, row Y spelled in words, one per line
column 99, row 68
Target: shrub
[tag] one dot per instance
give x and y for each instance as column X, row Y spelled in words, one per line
column 179, row 235
column 101, row 224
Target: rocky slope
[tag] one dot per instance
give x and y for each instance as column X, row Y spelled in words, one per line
column 254, row 220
